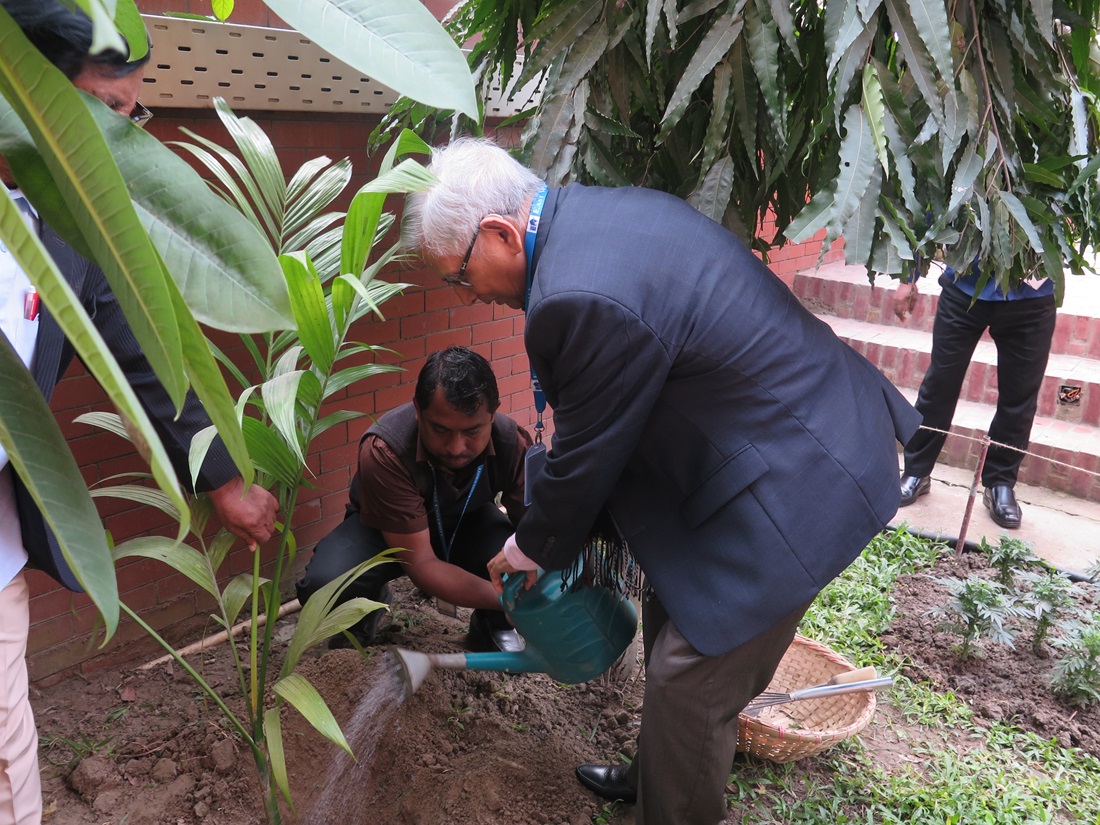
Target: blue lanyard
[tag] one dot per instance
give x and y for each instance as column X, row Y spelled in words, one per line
column 529, row 247
column 439, row 516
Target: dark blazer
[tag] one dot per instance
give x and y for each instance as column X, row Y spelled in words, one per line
column 746, row 454
column 52, row 356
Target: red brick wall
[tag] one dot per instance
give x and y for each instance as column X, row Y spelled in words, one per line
column 422, row 320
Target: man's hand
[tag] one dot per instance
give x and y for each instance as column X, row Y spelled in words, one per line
column 251, row 515
column 511, row 560
column 904, row 298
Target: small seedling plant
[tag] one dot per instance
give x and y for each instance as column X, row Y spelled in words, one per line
column 1048, row 602
column 1011, row 557
column 1077, row 674
column 978, row 610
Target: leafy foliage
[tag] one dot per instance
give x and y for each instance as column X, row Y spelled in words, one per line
column 910, row 128
column 978, row 609
column 1009, row 557
column 1077, row 674
column 1047, row 602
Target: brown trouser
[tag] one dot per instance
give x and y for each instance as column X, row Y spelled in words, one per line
column 688, row 736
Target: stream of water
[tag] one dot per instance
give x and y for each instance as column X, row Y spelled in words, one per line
column 344, row 796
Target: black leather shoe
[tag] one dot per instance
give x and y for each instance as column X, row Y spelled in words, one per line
column 1000, row 500
column 913, row 487
column 608, row 782
column 491, row 632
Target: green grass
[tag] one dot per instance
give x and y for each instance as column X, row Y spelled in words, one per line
column 958, row 773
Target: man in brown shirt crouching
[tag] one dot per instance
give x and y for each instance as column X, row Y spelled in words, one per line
column 429, row 474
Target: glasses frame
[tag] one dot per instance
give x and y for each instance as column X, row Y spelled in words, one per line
column 459, row 278
column 140, row 115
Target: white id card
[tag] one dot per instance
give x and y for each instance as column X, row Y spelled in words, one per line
column 532, row 466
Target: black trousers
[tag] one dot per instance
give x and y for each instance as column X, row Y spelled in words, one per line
column 1022, row 332
column 480, row 536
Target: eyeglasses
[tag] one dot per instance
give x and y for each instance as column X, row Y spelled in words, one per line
column 459, row 278
column 140, row 115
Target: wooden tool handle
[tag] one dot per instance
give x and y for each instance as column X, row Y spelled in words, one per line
column 863, row 674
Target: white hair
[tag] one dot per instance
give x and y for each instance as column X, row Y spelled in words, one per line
column 476, row 178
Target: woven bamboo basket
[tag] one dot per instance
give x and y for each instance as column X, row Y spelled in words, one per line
column 784, row 733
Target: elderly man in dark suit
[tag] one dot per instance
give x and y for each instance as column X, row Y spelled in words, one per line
column 744, row 452
column 65, row 38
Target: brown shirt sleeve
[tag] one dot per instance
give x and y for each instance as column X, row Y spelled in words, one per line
column 388, row 498
column 512, row 496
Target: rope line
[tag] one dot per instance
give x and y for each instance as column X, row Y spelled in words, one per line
column 993, row 443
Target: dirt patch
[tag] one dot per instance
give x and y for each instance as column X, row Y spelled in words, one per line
column 146, row 748
column 1000, row 684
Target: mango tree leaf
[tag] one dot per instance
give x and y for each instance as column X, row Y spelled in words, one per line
column 917, row 61
column 58, row 118
column 713, row 193
column 131, row 27
column 859, row 232
column 102, row 15
column 42, row 460
column 875, row 108
column 763, row 42
column 71, row 317
column 224, row 268
column 812, row 218
column 395, row 42
column 555, row 33
column 209, row 385
column 1022, row 219
column 930, row 19
column 857, row 162
column 307, row 701
column 712, row 48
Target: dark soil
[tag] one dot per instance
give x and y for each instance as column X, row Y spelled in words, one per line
column 1001, row 684
column 145, row 748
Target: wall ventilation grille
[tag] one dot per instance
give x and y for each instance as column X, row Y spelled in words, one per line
column 268, row 70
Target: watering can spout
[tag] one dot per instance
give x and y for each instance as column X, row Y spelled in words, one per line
column 572, row 635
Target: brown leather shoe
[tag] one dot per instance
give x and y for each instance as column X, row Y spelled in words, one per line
column 1003, row 508
column 913, row 487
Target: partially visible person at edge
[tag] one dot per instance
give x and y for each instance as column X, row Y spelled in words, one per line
column 64, row 38
column 744, row 452
column 1021, row 323
column 428, row 477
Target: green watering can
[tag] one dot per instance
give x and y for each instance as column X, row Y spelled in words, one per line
column 571, row 635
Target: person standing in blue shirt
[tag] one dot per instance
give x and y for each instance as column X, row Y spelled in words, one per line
column 1021, row 323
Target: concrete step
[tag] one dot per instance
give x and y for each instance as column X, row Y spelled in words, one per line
column 843, row 291
column 1063, row 456
column 903, row 355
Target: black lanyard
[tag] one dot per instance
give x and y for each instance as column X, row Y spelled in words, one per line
column 439, row 515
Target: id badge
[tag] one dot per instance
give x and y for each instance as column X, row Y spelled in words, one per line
column 533, row 463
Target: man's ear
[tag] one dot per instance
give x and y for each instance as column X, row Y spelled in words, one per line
column 504, row 229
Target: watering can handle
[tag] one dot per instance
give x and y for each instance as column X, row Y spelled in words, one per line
column 513, row 586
